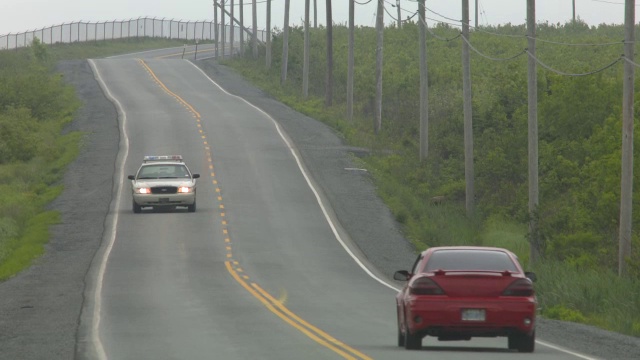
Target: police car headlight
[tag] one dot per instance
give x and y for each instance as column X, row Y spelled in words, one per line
column 185, row 189
column 143, row 190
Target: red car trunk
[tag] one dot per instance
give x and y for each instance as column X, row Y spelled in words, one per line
column 473, row 284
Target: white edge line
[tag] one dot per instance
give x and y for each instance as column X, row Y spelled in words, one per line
column 328, row 218
column 95, row 328
column 307, row 179
column 559, row 348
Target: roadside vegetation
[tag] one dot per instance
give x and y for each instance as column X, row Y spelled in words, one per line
column 580, row 149
column 35, row 107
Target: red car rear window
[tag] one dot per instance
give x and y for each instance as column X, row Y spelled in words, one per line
column 489, row 260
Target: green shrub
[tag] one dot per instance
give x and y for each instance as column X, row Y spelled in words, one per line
column 559, row 312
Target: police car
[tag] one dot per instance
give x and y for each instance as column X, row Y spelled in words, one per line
column 163, row 181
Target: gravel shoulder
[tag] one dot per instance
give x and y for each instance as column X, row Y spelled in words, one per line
column 40, row 308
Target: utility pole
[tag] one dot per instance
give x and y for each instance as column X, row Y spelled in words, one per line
column 224, row 28
column 476, row 9
column 468, row 113
column 424, row 84
column 534, row 231
column 380, row 29
column 285, row 43
column 215, row 22
column 328, row 98
column 350, row 61
column 242, row 27
column 315, row 14
column 268, row 54
column 399, row 14
column 574, row 12
column 232, row 29
column 626, row 192
column 305, row 65
column 254, row 24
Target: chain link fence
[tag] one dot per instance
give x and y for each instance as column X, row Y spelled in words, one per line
column 122, row 29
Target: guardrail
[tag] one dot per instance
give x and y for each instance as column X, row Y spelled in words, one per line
column 120, row 29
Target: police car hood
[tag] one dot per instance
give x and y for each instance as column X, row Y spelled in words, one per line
column 164, row 182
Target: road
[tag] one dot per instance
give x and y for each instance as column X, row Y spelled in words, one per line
column 263, row 269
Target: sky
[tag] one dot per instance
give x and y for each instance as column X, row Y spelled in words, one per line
column 23, row 15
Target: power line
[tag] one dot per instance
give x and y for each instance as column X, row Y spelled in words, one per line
column 574, row 44
column 630, row 62
column 396, row 19
column 569, row 74
column 436, row 35
column 526, row 52
column 492, row 58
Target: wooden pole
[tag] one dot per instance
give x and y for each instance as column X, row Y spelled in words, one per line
column 351, row 61
column 268, row 54
column 328, row 98
column 424, row 84
column 468, row 114
column 626, row 193
column 305, row 65
column 285, row 43
column 254, row 37
column 534, row 232
column 377, row 126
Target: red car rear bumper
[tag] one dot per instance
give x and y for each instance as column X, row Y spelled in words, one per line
column 442, row 317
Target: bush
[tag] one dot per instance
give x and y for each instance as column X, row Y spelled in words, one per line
column 559, row 312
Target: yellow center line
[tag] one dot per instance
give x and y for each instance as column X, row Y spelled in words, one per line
column 279, row 305
column 274, row 305
column 281, row 315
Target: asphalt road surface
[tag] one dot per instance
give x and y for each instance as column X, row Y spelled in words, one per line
column 288, row 256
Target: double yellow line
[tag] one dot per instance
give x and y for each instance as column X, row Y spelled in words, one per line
column 277, row 307
column 271, row 303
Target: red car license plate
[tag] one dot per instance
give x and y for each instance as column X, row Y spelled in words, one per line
column 473, row 315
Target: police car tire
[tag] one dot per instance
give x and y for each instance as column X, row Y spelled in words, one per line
column 136, row 208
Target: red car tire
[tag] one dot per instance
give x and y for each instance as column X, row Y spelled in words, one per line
column 411, row 341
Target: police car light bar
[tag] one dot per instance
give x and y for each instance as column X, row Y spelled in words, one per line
column 162, row 158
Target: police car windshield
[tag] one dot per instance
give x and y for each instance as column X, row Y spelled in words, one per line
column 163, row 171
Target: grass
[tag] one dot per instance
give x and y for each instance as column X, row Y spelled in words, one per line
column 22, row 250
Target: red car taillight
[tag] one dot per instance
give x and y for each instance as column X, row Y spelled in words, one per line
column 520, row 287
column 425, row 286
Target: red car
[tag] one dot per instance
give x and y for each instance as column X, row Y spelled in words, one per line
column 460, row 292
